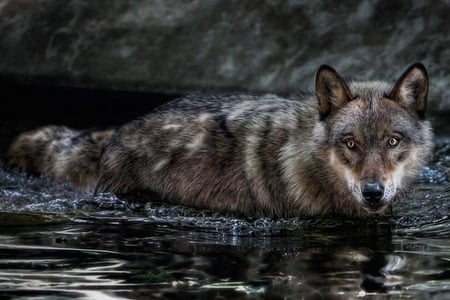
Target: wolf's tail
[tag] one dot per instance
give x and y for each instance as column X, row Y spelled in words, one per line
column 60, row 153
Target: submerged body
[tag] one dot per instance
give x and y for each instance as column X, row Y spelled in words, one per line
column 348, row 149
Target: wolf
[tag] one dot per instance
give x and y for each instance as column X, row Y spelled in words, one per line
column 349, row 148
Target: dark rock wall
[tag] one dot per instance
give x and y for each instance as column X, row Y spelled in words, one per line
column 180, row 46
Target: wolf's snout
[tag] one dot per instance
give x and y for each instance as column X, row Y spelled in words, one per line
column 372, row 192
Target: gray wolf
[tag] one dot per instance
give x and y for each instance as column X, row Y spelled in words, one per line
column 349, row 148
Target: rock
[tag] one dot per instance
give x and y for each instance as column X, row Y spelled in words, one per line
column 30, row 219
column 181, row 46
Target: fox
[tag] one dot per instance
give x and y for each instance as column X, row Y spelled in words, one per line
column 349, row 148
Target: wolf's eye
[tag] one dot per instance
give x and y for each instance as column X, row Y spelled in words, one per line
column 351, row 144
column 393, row 142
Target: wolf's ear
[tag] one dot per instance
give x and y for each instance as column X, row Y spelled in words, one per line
column 411, row 90
column 331, row 91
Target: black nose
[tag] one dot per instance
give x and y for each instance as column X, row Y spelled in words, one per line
column 372, row 191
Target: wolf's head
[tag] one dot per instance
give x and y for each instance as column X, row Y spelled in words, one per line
column 377, row 138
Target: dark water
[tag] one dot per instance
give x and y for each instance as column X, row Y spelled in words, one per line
column 56, row 243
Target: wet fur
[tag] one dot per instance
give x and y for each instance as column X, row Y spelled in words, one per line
column 267, row 154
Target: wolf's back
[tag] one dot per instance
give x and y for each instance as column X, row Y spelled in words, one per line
column 60, row 153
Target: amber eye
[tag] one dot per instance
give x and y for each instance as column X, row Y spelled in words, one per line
column 351, row 144
column 393, row 142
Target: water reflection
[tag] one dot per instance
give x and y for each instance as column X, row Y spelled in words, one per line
column 64, row 272
column 133, row 260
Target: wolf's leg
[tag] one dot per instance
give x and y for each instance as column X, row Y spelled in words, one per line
column 60, row 153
